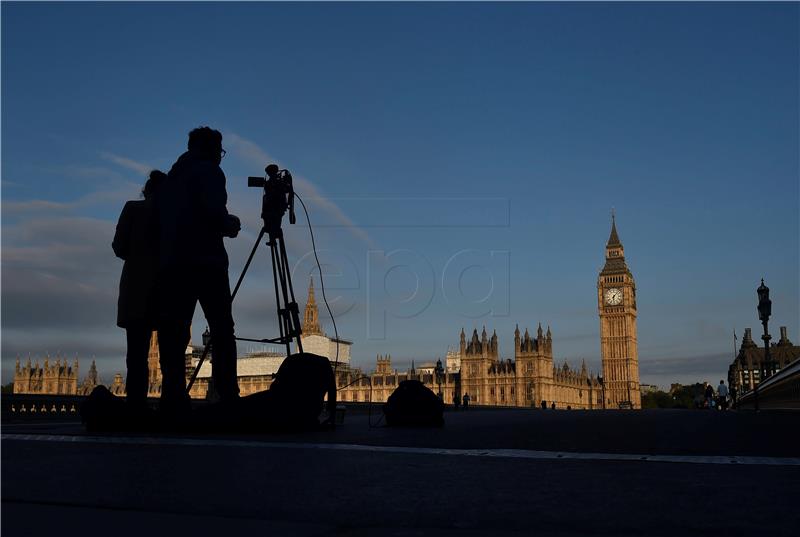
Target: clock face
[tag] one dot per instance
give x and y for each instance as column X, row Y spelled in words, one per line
column 613, row 296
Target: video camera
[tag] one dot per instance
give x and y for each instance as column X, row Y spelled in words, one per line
column 278, row 196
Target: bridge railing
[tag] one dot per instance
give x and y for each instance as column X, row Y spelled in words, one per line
column 38, row 407
column 778, row 392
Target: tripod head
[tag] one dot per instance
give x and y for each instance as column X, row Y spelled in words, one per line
column 277, row 199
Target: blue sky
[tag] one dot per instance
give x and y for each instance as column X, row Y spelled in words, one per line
column 480, row 147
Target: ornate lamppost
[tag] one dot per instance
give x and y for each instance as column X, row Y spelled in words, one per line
column 764, row 311
column 206, row 338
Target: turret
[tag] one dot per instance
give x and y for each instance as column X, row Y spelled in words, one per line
column 516, row 341
column 747, row 340
column 93, row 373
column 784, row 341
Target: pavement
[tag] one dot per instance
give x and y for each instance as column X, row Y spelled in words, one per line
column 487, row 472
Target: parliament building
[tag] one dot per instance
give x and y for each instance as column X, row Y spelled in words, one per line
column 531, row 378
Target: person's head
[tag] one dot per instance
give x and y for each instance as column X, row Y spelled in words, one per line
column 153, row 183
column 206, row 144
column 722, row 382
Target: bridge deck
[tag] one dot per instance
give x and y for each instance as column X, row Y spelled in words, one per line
column 487, row 472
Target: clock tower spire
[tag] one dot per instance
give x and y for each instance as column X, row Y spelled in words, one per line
column 616, row 304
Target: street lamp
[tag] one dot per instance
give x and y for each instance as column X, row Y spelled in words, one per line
column 206, row 338
column 439, row 371
column 764, row 311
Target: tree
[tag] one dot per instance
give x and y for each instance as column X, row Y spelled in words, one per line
column 678, row 397
column 657, row 399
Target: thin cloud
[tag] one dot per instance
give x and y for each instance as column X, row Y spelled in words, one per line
column 139, row 167
column 27, row 206
column 125, row 191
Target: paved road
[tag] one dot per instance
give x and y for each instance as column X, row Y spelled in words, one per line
column 270, row 484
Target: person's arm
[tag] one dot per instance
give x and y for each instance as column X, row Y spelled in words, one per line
column 122, row 237
column 213, row 201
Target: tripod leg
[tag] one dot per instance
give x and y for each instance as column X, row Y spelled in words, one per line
column 276, row 275
column 247, row 265
column 293, row 313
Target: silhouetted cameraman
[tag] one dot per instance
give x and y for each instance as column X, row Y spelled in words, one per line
column 194, row 267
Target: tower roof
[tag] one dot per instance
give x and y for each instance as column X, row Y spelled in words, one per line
column 613, row 239
column 311, row 291
column 311, row 317
column 615, row 258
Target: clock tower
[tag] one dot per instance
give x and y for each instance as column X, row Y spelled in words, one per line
column 616, row 304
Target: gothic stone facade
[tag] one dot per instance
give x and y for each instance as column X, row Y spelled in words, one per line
column 53, row 379
column 356, row 386
column 527, row 381
column 744, row 374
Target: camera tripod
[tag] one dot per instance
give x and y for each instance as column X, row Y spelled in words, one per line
column 277, row 199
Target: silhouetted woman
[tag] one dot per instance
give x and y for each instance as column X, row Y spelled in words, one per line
column 136, row 241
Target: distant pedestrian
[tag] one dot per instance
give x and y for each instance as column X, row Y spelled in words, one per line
column 722, row 392
column 709, row 393
column 544, row 404
column 456, row 400
column 465, row 401
column 553, row 406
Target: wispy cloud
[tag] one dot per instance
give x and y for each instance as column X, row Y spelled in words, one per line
column 122, row 192
column 27, row 206
column 251, row 152
column 139, row 167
